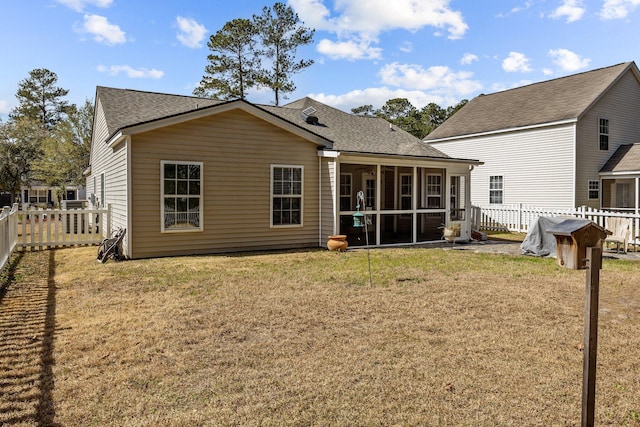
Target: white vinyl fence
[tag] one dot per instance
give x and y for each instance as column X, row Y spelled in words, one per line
column 8, row 233
column 56, row 228
column 519, row 217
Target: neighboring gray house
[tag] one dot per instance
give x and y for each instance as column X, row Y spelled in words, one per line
column 554, row 144
column 189, row 175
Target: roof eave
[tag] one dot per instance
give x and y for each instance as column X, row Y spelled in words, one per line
column 412, row 157
column 499, row 131
column 217, row 109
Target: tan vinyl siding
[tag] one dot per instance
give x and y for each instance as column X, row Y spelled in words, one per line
column 620, row 105
column 536, row 165
column 237, row 151
column 329, row 198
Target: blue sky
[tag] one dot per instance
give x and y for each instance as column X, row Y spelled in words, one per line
column 365, row 52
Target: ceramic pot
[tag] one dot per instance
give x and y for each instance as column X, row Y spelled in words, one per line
column 337, row 242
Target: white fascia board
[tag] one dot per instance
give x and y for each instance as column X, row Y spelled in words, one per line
column 328, row 153
column 116, row 139
column 623, row 174
column 499, row 131
column 393, row 159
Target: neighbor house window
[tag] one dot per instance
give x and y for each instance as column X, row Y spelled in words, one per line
column 345, row 191
column 496, row 186
column 286, row 195
column 604, row 134
column 181, row 188
column 434, row 191
column 594, row 189
column 405, row 192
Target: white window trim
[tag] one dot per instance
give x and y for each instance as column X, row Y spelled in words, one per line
column 608, row 134
column 408, row 195
column 201, row 205
column 589, row 189
column 434, row 195
column 501, row 189
column 344, row 196
column 301, row 196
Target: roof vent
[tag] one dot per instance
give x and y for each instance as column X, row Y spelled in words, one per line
column 308, row 114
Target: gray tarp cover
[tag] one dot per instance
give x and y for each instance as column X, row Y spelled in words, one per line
column 538, row 242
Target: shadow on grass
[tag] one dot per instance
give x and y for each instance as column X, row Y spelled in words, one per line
column 27, row 335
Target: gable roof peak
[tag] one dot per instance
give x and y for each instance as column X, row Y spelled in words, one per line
column 550, row 101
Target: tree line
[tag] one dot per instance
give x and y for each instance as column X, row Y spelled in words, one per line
column 45, row 138
column 418, row 122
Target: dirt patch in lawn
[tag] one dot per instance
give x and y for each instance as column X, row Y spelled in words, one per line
column 300, row 338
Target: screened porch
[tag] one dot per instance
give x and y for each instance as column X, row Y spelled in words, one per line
column 401, row 204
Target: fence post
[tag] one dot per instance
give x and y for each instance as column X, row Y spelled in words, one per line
column 519, row 217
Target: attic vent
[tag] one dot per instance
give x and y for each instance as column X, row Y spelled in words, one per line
column 308, row 114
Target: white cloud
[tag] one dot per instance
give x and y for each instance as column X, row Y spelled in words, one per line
column 567, row 60
column 360, row 22
column 102, row 30
column 437, row 79
column 191, row 33
column 350, row 50
column 420, row 86
column 516, row 62
column 573, row 10
column 379, row 96
column 375, row 16
column 79, row 5
column 4, row 107
column 517, row 9
column 468, row 58
column 618, row 9
column 131, row 72
column 406, row 47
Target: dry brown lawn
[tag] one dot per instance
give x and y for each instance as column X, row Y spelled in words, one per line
column 443, row 338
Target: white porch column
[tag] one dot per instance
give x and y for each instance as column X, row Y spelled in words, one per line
column 637, row 179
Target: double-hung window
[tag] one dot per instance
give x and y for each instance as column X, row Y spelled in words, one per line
column 181, row 189
column 496, row 188
column 434, row 191
column 594, row 189
column 603, row 131
column 345, row 191
column 286, row 195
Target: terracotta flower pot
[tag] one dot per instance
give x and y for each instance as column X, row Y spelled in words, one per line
column 337, row 242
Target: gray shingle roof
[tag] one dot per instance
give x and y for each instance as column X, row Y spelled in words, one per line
column 125, row 108
column 550, row 101
column 351, row 133
column 625, row 159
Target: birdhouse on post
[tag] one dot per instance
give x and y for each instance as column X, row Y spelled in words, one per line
column 573, row 237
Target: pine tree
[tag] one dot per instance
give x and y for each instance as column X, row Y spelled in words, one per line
column 40, row 99
column 281, row 34
column 234, row 65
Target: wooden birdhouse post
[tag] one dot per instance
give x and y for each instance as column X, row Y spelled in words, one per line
column 579, row 246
